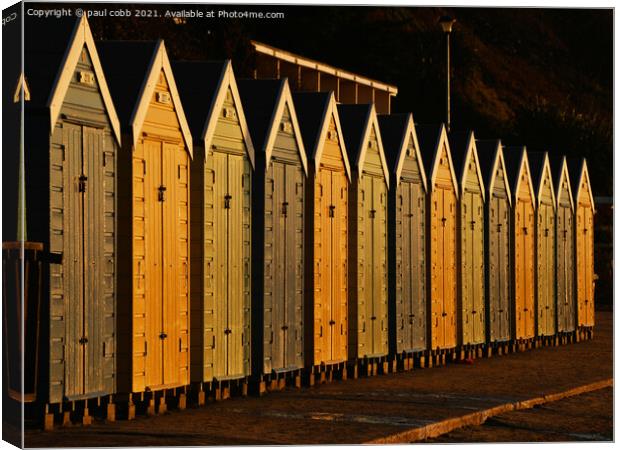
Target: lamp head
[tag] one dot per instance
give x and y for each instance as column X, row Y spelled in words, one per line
column 446, row 23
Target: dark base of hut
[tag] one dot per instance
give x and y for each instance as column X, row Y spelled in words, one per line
column 585, row 333
column 407, row 361
column 78, row 412
column 276, row 381
column 500, row 348
column 468, row 352
column 324, row 373
column 440, row 357
column 369, row 367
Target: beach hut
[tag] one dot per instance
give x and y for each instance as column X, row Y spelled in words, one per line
column 565, row 246
column 153, row 223
column 523, row 249
column 584, row 244
column 498, row 263
column 545, row 244
column 278, row 231
column 326, row 286
column 471, row 313
column 406, row 239
column 441, row 238
column 368, row 198
column 73, row 138
column 221, row 199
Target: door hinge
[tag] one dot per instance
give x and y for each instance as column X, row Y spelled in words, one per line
column 145, row 348
column 161, row 193
column 271, row 340
column 82, row 183
column 331, row 210
column 227, row 198
column 284, row 208
column 321, row 331
column 83, row 340
column 213, row 343
column 162, row 335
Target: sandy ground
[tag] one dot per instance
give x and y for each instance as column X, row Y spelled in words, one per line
column 357, row 411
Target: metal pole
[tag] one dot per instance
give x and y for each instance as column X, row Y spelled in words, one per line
column 448, row 81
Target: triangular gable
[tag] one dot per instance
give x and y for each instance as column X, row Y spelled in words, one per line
column 158, row 63
column 81, row 37
column 370, row 124
column 442, row 143
column 564, row 175
column 331, row 111
column 584, row 175
column 285, row 99
column 524, row 165
column 471, row 152
column 22, row 83
column 410, row 133
column 227, row 81
column 545, row 172
column 500, row 159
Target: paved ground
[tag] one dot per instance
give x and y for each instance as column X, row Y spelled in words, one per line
column 586, row 417
column 369, row 409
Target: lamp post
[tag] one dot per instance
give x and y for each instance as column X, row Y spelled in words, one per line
column 446, row 23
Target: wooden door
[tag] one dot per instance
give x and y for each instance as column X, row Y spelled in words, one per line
column 417, row 299
column 585, row 263
column 449, row 272
column 295, row 265
column 84, row 231
column 323, row 271
column 404, row 267
column 478, row 312
column 437, row 267
column 171, row 272
column 565, row 267
column 219, row 336
column 466, row 267
column 365, row 270
column 154, row 276
column 234, row 334
column 275, row 271
column 589, row 265
column 529, row 309
column 505, row 264
column 339, row 230
column 546, row 270
column 379, row 258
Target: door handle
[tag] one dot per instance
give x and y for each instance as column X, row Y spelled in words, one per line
column 331, row 210
column 321, row 331
column 284, row 327
column 332, row 322
column 444, row 314
column 213, row 343
column 161, row 193
column 82, row 183
column 284, row 208
column 83, row 340
column 162, row 335
column 227, row 331
column 372, row 213
column 145, row 348
column 227, row 198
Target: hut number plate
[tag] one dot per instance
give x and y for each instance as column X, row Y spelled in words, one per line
column 87, row 78
column 163, row 97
